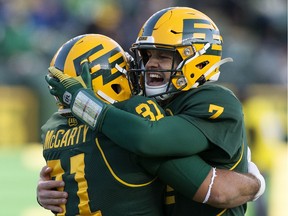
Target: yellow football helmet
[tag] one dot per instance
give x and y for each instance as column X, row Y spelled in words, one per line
column 107, row 62
column 190, row 34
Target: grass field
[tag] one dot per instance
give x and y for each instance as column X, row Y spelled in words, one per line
column 19, row 175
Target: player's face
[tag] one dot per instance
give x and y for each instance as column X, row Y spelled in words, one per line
column 158, row 60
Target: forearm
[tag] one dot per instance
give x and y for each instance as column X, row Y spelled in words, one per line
column 231, row 189
column 191, row 176
column 170, row 136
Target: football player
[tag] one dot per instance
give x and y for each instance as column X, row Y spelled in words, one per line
column 67, row 88
column 180, row 52
column 100, row 177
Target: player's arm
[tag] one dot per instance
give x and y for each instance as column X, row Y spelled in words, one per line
column 195, row 179
column 230, row 189
column 131, row 132
column 169, row 136
column 178, row 134
column 47, row 196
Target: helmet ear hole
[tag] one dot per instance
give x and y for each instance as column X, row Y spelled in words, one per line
column 116, row 88
column 202, row 64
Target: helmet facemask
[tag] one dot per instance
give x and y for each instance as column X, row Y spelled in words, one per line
column 146, row 76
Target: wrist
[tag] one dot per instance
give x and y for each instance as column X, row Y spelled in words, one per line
column 88, row 108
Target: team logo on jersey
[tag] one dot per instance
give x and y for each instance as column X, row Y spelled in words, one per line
column 72, row 122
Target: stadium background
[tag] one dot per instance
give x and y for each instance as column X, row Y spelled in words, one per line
column 255, row 36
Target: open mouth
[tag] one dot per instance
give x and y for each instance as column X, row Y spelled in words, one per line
column 155, row 79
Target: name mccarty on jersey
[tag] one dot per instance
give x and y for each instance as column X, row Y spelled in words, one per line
column 64, row 138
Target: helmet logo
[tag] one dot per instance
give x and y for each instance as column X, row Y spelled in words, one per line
column 103, row 61
column 201, row 30
column 87, row 55
column 106, row 68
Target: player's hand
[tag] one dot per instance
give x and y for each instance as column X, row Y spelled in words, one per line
column 47, row 196
column 76, row 93
column 65, row 87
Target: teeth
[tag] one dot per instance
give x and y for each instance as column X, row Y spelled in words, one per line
column 152, row 75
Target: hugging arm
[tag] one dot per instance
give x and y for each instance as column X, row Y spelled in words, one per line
column 153, row 138
column 191, row 176
column 146, row 138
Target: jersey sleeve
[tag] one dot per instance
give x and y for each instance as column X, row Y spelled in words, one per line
column 169, row 136
column 217, row 113
column 185, row 175
column 209, row 115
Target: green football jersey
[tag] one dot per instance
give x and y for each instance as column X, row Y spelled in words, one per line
column 207, row 120
column 217, row 113
column 100, row 177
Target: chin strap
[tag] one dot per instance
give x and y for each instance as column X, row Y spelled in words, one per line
column 211, row 69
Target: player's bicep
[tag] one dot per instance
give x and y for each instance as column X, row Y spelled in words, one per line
column 185, row 175
column 178, row 137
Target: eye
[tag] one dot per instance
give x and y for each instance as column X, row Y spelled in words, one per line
column 165, row 56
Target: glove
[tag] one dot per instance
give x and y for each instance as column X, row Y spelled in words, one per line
column 77, row 94
column 253, row 169
column 63, row 86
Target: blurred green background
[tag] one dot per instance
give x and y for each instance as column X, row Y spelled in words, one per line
column 31, row 31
